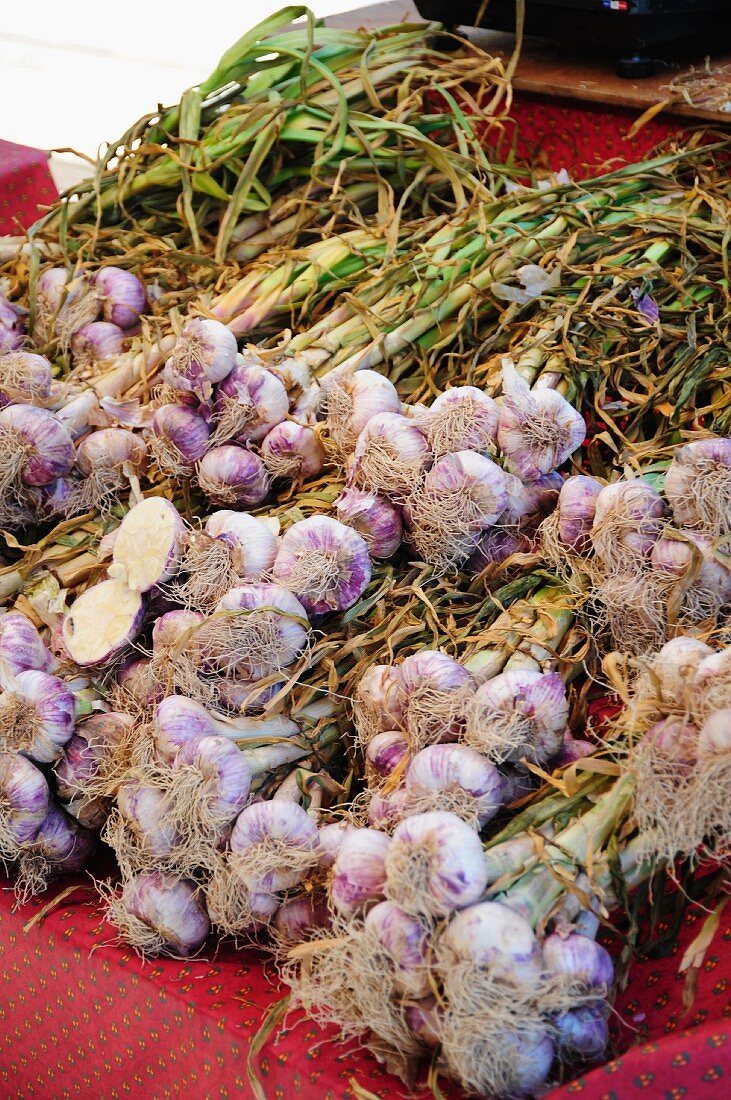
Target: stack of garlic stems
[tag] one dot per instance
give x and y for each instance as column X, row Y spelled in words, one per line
column 281, row 105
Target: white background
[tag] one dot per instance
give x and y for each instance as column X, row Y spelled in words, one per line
column 79, row 72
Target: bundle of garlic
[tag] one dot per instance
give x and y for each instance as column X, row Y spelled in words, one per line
column 655, row 549
column 676, row 727
column 480, row 959
column 428, row 473
column 40, row 705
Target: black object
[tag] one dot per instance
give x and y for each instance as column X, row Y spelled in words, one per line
column 635, row 31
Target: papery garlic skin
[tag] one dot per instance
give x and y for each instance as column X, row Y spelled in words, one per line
column 461, row 419
column 38, row 715
column 628, row 520
column 96, row 344
column 379, row 701
column 518, row 713
column 490, row 935
column 391, row 455
column 456, row 778
column 671, row 670
column 25, row 798
column 529, row 502
column 268, row 630
column 276, row 844
column 24, row 378
column 204, row 354
column 179, row 437
column 324, row 563
column 433, row 691
column 292, row 450
column 576, row 511
column 538, row 429
column 582, row 1033
column 434, row 864
column 359, row 873
column 232, row 475
column 38, row 445
column 385, row 752
column 405, row 939
column 253, row 542
column 375, row 518
column 248, row 404
column 352, row 400
column 21, row 648
column 169, row 909
column 579, row 959
column 698, row 485
column 122, row 296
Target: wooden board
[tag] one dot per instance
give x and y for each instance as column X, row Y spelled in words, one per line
column 548, row 70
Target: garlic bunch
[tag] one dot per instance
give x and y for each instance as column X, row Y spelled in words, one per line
column 538, row 429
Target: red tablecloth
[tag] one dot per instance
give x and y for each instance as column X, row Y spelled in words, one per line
column 26, row 185
column 83, row 1018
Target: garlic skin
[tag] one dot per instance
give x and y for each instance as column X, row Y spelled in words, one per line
column 324, row 563
column 694, row 554
column 714, row 738
column 276, row 827
column 293, row 451
column 529, row 502
column 122, row 296
column 434, row 864
column 385, row 752
column 672, row 670
column 24, row 802
column 711, row 686
column 518, row 713
column 676, row 741
column 576, row 511
column 253, row 542
column 351, row 400
column 205, row 354
column 386, row 810
column 233, row 475
column 405, row 939
column 582, row 1033
column 166, row 914
column 11, row 329
column 375, row 518
column 359, row 872
column 491, row 936
column 40, row 447
column 477, row 478
column 37, row 715
column 698, row 485
column 297, row 918
column 264, row 629
column 222, row 776
column 391, row 455
column 24, row 378
column 538, row 429
column 432, row 695
column 496, row 546
column 456, row 778
column 331, row 838
column 21, row 648
column 379, row 701
column 248, row 404
column 580, row 959
column 179, row 437
column 96, row 344
column 628, row 520
column 461, row 419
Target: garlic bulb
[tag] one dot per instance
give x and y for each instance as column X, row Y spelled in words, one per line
column 391, row 455
column 698, row 485
column 379, row 702
column 248, row 404
column 25, row 378
column 434, row 864
column 461, row 419
column 205, row 353
column 518, row 713
column 324, row 563
column 433, row 691
column 257, row 629
column 628, row 520
column 233, row 475
column 538, row 429
column 376, row 519
column 454, row 778
column 351, row 400
column 292, row 451
column 576, row 511
column 359, row 872
column 459, row 497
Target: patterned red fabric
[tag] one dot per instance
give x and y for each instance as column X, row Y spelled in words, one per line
column 580, row 137
column 26, row 185
column 82, row 1017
